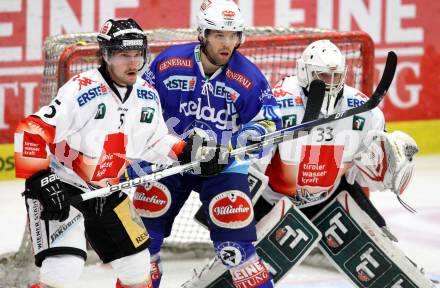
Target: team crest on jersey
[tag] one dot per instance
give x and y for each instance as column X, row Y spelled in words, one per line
column 231, row 253
column 153, row 201
column 147, row 114
column 358, row 123
column 101, row 111
column 289, row 120
column 231, row 209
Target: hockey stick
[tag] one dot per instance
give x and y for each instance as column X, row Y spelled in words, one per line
column 288, row 133
column 316, row 95
column 269, row 139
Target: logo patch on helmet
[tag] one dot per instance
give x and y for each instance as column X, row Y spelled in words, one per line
column 106, row 27
column 152, row 202
column 205, row 5
column 231, row 209
column 132, row 42
column 231, row 254
column 228, row 14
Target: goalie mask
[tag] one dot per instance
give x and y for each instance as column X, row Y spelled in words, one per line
column 122, row 35
column 324, row 61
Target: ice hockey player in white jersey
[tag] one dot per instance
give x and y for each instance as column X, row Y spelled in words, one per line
column 84, row 139
column 353, row 154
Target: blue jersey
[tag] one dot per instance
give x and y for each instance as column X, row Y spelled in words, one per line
column 215, row 106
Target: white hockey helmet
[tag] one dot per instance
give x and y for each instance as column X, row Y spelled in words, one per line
column 324, row 61
column 222, row 15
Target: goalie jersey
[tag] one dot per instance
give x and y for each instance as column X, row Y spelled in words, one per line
column 308, row 169
column 216, row 106
column 88, row 134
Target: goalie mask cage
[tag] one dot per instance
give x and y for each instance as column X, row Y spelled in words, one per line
column 273, row 50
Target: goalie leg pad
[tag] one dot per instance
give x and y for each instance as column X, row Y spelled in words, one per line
column 285, row 238
column 361, row 250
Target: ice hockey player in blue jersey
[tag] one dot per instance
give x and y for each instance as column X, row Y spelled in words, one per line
column 208, row 89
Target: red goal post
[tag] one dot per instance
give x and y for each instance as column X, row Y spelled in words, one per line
column 273, row 50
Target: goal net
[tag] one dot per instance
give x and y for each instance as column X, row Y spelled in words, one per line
column 273, row 50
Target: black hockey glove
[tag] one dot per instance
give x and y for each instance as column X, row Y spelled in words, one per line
column 213, row 157
column 49, row 190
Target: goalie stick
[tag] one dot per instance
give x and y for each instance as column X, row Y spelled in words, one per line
column 268, row 139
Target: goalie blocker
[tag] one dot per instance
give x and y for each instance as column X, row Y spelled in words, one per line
column 350, row 239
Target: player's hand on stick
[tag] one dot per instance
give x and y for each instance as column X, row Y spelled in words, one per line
column 49, row 190
column 213, row 157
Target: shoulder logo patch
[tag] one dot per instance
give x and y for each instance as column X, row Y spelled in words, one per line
column 289, row 120
column 101, row 111
column 358, row 123
column 147, row 114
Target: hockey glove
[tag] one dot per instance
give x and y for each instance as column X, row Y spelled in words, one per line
column 388, row 162
column 400, row 149
column 49, row 190
column 213, row 157
column 253, row 133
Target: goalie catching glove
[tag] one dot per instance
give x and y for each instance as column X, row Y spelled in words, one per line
column 388, row 163
column 49, row 190
column 213, row 157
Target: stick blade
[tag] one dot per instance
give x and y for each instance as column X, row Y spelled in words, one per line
column 314, row 100
column 385, row 80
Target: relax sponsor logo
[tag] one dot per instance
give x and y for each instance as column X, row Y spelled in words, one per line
column 175, row 62
column 219, row 118
column 222, row 91
column 91, row 94
column 180, row 82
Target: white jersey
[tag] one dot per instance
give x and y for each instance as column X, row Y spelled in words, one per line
column 309, row 168
column 92, row 134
